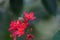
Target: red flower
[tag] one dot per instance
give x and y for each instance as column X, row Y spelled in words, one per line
column 29, row 16
column 29, row 36
column 14, row 25
column 20, row 32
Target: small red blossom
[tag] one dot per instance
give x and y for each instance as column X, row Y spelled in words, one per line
column 20, row 32
column 14, row 24
column 29, row 36
column 29, row 16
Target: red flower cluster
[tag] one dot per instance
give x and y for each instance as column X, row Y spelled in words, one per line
column 17, row 27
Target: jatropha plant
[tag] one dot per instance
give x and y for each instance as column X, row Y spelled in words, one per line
column 18, row 27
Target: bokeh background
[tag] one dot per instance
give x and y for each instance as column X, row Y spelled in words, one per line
column 44, row 10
